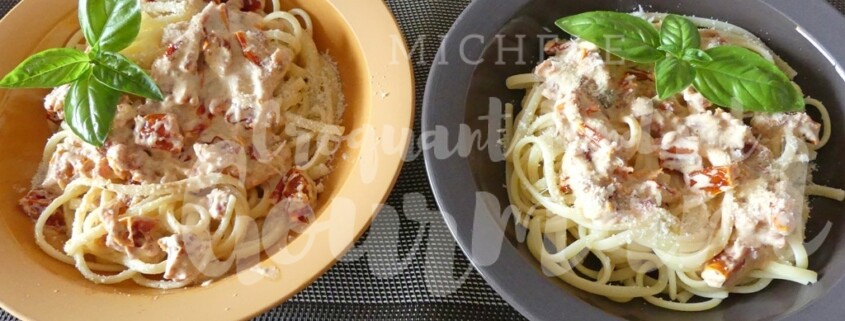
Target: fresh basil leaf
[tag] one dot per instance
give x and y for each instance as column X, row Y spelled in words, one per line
column 669, row 48
column 672, row 75
column 680, row 33
column 119, row 73
column 740, row 78
column 49, row 68
column 621, row 34
column 109, row 25
column 90, row 107
column 696, row 55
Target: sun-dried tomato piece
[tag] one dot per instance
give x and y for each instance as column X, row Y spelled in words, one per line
column 140, row 230
column 295, row 185
column 679, row 150
column 556, row 46
column 224, row 15
column 159, row 131
column 171, row 49
column 724, row 266
column 251, row 56
column 713, row 180
column 641, row 75
column 36, row 201
column 251, row 5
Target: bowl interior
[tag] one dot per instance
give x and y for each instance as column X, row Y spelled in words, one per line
column 534, row 24
column 23, row 132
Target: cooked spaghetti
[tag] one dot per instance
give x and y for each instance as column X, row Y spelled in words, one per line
column 675, row 201
column 241, row 142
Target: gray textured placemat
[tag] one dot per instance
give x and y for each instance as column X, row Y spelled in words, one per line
column 429, row 278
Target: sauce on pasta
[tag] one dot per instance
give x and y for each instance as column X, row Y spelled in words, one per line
column 675, row 201
column 246, row 132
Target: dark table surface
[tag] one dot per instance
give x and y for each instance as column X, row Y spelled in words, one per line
column 429, row 278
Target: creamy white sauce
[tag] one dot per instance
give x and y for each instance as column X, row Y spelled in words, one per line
column 690, row 155
column 213, row 93
column 227, row 87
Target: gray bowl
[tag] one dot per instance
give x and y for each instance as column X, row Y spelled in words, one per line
column 469, row 185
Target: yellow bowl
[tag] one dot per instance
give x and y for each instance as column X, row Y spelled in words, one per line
column 360, row 35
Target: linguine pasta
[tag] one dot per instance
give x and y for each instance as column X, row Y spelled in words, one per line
column 245, row 135
column 674, row 201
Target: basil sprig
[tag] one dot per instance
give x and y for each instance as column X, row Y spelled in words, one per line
column 729, row 76
column 98, row 77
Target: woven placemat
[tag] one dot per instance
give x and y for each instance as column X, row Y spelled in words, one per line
column 429, row 278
